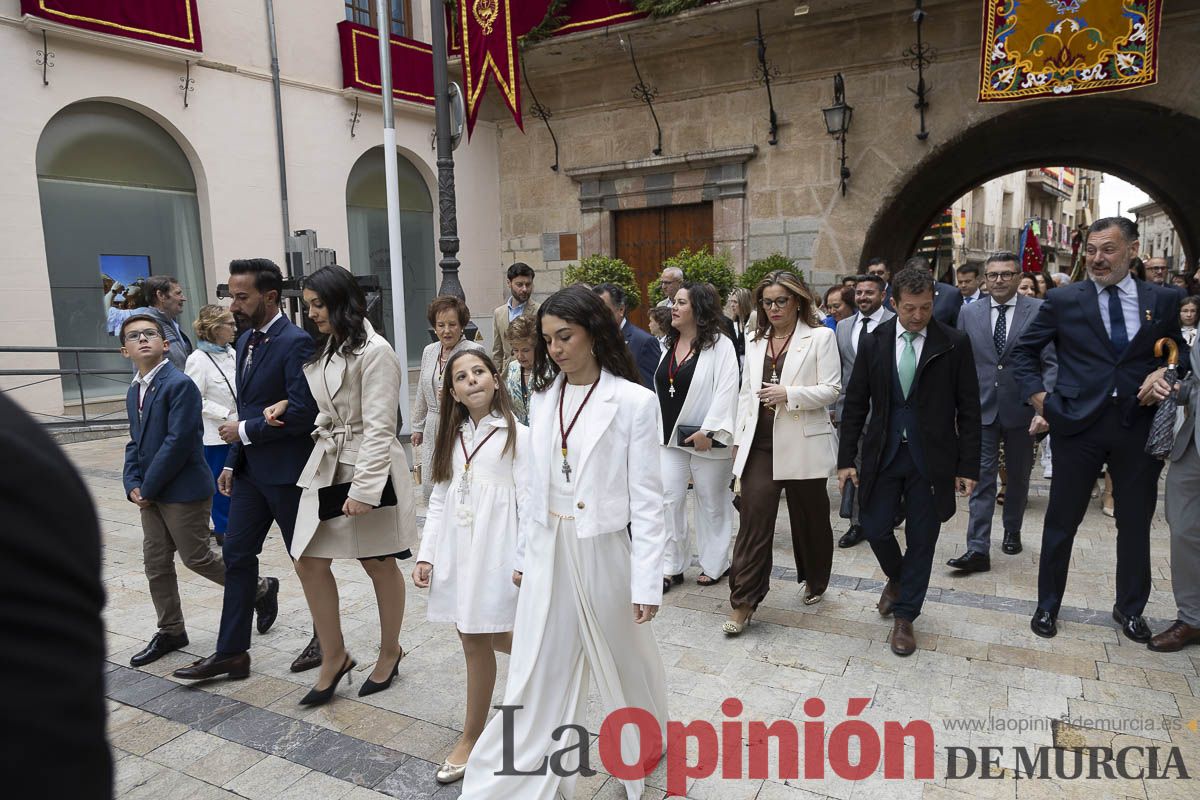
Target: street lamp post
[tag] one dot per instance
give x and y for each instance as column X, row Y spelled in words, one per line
column 837, row 123
column 447, row 211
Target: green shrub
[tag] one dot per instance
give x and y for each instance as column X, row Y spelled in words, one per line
column 759, row 269
column 701, row 266
column 598, row 269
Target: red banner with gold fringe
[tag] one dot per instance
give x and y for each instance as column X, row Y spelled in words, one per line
column 173, row 23
column 489, row 52
column 1059, row 48
column 412, row 64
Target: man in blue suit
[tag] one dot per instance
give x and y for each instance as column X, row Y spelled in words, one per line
column 1103, row 330
column 165, row 477
column 644, row 347
column 265, row 461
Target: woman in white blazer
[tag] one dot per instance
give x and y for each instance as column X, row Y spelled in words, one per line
column 357, row 499
column 784, row 442
column 579, row 567
column 211, row 366
column 697, row 387
column 448, row 316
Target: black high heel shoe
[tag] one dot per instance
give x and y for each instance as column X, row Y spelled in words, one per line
column 371, row 687
column 319, row 697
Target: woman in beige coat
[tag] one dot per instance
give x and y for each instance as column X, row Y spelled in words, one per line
column 357, row 500
column 784, row 441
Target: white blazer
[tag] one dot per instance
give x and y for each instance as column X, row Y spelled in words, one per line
column 711, row 400
column 216, row 382
column 805, row 440
column 616, row 485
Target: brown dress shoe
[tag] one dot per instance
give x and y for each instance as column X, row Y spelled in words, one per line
column 310, row 656
column 904, row 641
column 236, row 667
column 887, row 599
column 1175, row 638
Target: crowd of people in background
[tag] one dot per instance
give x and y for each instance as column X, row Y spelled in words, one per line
column 557, row 469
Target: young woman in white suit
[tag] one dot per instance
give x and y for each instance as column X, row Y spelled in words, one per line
column 784, row 442
column 481, row 489
column 590, row 559
column 357, row 500
column 697, row 387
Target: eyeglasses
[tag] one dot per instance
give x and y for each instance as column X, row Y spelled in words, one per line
column 149, row 334
column 1001, row 276
column 781, row 302
column 1156, row 269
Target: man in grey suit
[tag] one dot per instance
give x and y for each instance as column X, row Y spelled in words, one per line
column 868, row 296
column 166, row 304
column 1183, row 517
column 993, row 327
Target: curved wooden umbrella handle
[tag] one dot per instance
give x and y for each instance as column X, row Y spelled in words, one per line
column 1172, row 351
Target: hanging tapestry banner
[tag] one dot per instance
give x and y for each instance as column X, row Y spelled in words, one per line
column 173, row 23
column 412, row 64
column 489, row 51
column 1057, row 48
column 576, row 16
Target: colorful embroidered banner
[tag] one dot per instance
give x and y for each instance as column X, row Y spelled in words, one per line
column 1056, row 48
column 489, row 51
column 412, row 64
column 174, row 23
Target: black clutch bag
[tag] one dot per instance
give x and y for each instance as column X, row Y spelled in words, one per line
column 685, row 432
column 331, row 499
column 847, row 509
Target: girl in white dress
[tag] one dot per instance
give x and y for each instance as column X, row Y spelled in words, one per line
column 589, row 559
column 469, row 545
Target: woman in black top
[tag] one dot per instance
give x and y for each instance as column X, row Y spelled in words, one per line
column 697, row 385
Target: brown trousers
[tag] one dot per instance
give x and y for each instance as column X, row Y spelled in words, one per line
column 171, row 527
column 812, row 535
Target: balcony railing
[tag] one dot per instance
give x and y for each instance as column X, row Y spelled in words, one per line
column 981, row 236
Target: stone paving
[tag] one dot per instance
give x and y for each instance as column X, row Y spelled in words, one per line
column 978, row 668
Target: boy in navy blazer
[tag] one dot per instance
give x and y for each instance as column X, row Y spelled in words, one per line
column 165, row 476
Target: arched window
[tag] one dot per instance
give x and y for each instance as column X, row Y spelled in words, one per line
column 118, row 201
column 366, row 212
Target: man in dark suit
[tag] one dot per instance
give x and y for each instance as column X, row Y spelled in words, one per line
column 51, row 635
column 915, row 378
column 1103, row 330
column 1158, row 273
column 644, row 347
column 994, row 325
column 265, row 461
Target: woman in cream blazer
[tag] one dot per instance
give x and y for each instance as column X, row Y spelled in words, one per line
column 784, row 441
column 355, row 380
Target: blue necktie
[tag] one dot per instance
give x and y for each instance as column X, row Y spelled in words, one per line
column 1116, row 320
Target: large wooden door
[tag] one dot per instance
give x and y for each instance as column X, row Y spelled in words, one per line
column 644, row 237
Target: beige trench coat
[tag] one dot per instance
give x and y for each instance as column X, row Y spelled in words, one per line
column 358, row 401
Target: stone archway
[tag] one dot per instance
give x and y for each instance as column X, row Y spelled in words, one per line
column 1146, row 144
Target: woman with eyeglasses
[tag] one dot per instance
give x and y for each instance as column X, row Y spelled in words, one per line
column 211, row 368
column 784, row 442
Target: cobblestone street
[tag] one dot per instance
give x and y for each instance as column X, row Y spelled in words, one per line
column 978, row 667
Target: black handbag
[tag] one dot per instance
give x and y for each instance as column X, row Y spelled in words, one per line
column 331, row 499
column 685, row 432
column 847, row 509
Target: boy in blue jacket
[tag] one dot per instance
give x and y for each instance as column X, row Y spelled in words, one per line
column 167, row 478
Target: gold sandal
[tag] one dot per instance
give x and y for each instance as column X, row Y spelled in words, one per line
column 734, row 628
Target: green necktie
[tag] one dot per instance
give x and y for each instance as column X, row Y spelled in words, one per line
column 908, row 363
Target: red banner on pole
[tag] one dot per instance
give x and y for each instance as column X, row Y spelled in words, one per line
column 489, row 51
column 173, row 23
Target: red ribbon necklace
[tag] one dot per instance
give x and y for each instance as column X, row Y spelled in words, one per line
column 775, row 354
column 565, row 430
column 465, row 484
column 673, row 367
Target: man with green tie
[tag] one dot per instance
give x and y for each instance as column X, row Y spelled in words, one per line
column 915, row 379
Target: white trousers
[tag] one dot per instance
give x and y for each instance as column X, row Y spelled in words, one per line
column 574, row 621
column 713, row 512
